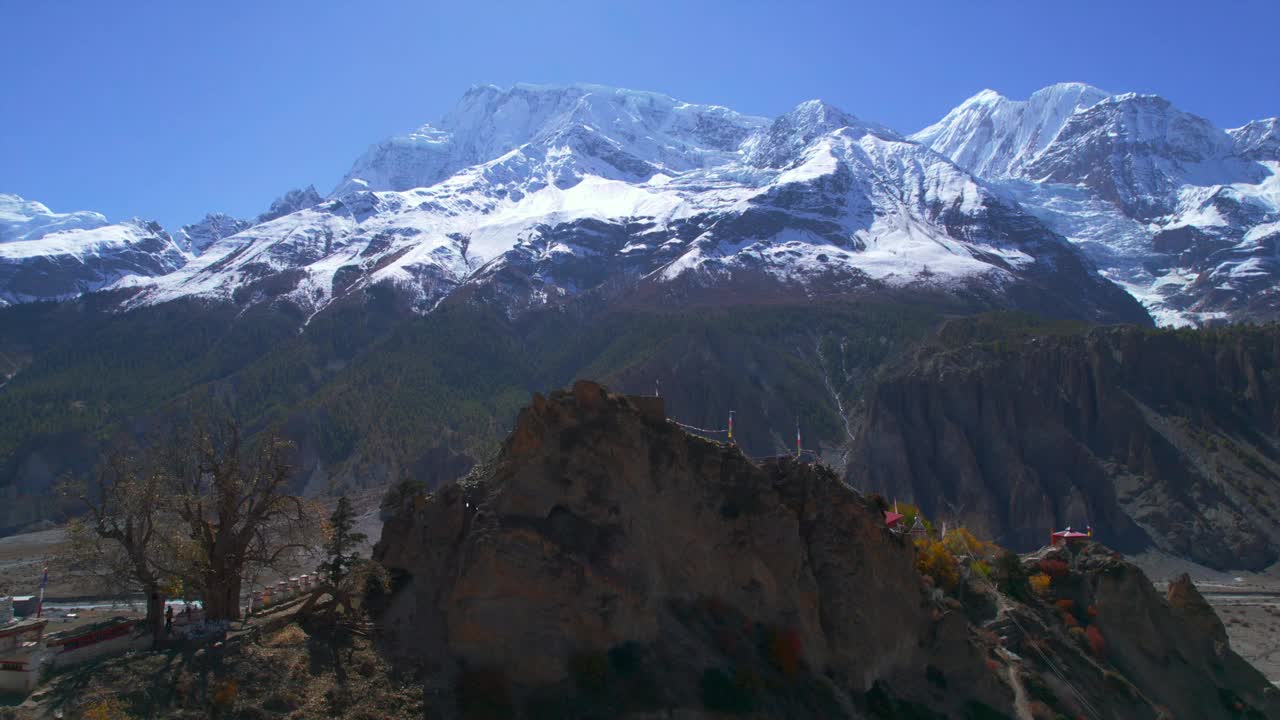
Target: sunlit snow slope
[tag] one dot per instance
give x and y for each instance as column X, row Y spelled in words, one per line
column 46, row 255
column 533, row 193
column 1180, row 213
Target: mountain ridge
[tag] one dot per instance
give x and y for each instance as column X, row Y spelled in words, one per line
column 816, row 198
column 550, row 191
column 45, row 255
column 1180, row 213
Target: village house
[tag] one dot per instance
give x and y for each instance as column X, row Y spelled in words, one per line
column 22, row 651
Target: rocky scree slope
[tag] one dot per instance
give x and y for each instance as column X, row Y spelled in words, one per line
column 607, row 562
column 1155, row 438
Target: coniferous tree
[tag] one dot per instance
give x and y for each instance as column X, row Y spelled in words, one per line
column 340, row 546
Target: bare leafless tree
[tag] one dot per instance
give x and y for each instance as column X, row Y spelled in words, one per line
column 123, row 539
column 195, row 512
column 235, row 504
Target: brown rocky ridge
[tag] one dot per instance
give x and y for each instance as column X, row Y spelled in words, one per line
column 607, row 564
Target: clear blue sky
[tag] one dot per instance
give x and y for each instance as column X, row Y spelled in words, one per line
column 168, row 109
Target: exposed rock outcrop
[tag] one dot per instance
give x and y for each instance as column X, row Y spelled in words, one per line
column 1135, row 653
column 1156, row 438
column 601, row 525
column 608, row 564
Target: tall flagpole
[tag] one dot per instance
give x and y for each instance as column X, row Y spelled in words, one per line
column 43, row 582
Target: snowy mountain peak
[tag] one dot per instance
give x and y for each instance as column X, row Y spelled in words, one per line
column 490, row 122
column 54, row 256
column 1137, row 151
column 291, row 202
column 1144, row 118
column 1076, row 94
column 30, row 220
column 1258, row 140
column 819, row 116
column 1150, row 99
column 984, row 97
column 1179, row 212
column 994, row 136
column 1069, row 94
column 197, row 237
column 786, row 138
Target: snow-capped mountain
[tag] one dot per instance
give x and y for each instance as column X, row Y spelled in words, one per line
column 53, row 256
column 1258, row 140
column 993, row 136
column 29, row 220
column 291, row 202
column 629, row 133
column 534, row 193
column 197, row 237
column 1180, row 213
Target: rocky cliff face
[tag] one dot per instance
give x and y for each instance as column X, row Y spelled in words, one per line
column 602, row 525
column 608, row 564
column 1105, row 644
column 1155, row 438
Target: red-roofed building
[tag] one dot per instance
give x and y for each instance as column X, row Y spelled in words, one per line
column 1069, row 536
column 891, row 519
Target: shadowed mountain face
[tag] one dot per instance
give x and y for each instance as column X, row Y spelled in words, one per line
column 1163, row 438
column 1158, row 439
column 606, row 562
column 374, row 394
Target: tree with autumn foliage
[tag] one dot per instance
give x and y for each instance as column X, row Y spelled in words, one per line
column 949, row 558
column 1097, row 645
column 935, row 560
